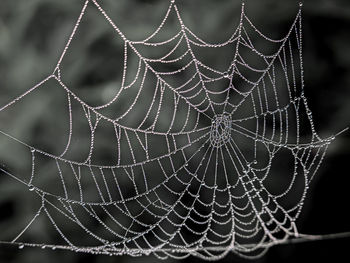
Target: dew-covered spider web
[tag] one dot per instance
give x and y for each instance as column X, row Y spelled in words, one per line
column 194, row 148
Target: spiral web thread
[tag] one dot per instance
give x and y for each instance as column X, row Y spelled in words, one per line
column 190, row 178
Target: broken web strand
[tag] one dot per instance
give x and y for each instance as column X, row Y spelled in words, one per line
column 220, row 140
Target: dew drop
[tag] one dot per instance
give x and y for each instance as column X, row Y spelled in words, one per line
column 31, row 188
column 21, row 246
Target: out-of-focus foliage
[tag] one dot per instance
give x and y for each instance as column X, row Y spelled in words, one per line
column 33, row 34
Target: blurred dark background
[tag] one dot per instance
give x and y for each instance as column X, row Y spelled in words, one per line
column 34, row 32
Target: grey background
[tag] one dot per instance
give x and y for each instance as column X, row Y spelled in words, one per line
column 34, row 32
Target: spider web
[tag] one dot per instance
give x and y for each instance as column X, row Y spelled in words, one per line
column 193, row 151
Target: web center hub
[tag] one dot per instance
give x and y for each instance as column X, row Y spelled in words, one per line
column 220, row 132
